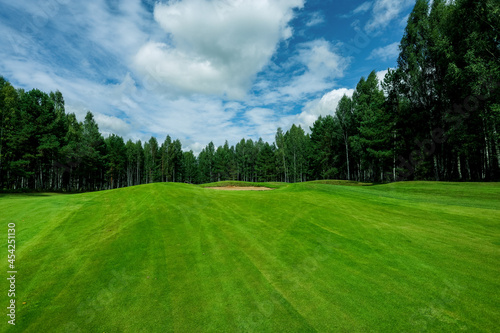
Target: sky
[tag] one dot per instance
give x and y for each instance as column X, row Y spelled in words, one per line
column 199, row 70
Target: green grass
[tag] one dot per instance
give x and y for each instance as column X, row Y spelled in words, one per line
column 403, row 257
column 243, row 184
column 340, row 182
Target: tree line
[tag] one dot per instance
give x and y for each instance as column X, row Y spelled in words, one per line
column 434, row 117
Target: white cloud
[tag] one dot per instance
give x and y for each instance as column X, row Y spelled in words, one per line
column 111, row 125
column 404, row 21
column 381, row 76
column 263, row 122
column 322, row 65
column 364, row 7
column 326, row 105
column 217, row 47
column 385, row 53
column 223, row 51
column 384, row 11
column 315, row 19
column 141, row 80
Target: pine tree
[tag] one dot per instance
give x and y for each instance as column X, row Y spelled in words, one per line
column 9, row 101
column 344, row 114
column 115, row 161
column 265, row 165
column 325, row 145
column 190, row 167
column 281, row 154
column 93, row 150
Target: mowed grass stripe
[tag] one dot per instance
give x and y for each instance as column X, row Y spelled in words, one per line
column 303, row 257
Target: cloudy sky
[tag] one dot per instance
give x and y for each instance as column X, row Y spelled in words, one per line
column 199, row 70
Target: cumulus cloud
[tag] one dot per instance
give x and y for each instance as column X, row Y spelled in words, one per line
column 326, row 105
column 111, row 125
column 146, row 74
column 385, row 53
column 217, row 47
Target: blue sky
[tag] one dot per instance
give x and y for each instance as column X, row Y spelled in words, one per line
column 199, row 70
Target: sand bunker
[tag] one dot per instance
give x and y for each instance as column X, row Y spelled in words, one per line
column 241, row 188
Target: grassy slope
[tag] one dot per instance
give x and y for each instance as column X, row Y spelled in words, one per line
column 242, row 184
column 305, row 257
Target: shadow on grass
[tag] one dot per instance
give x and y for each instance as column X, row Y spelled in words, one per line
column 20, row 194
column 33, row 194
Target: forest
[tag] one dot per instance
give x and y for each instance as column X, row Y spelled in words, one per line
column 436, row 116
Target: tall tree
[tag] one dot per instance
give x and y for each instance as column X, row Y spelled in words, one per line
column 115, row 158
column 265, row 164
column 154, row 164
column 344, row 114
column 9, row 101
column 206, row 163
column 131, row 161
column 190, row 167
column 93, row 151
column 296, row 143
column 417, row 70
column 375, row 131
column 325, row 145
column 71, row 154
column 281, row 153
column 176, row 160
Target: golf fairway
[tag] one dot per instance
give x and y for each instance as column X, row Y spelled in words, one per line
column 308, row 257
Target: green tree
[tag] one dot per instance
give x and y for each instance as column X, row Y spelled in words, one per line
column 116, row 158
column 9, row 104
column 265, row 165
column 153, row 166
column 93, row 151
column 474, row 76
column 175, row 156
column 281, row 154
column 418, row 72
column 344, row 115
column 71, row 154
column 325, row 145
column 131, row 163
column 190, row 167
column 296, row 144
column 206, row 160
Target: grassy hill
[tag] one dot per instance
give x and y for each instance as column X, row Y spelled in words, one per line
column 406, row 257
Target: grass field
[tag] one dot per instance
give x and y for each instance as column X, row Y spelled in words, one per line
column 403, row 257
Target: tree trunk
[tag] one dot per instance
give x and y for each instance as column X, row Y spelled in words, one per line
column 294, row 168
column 436, row 171
column 487, row 152
column 284, row 167
column 495, row 142
column 347, row 156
